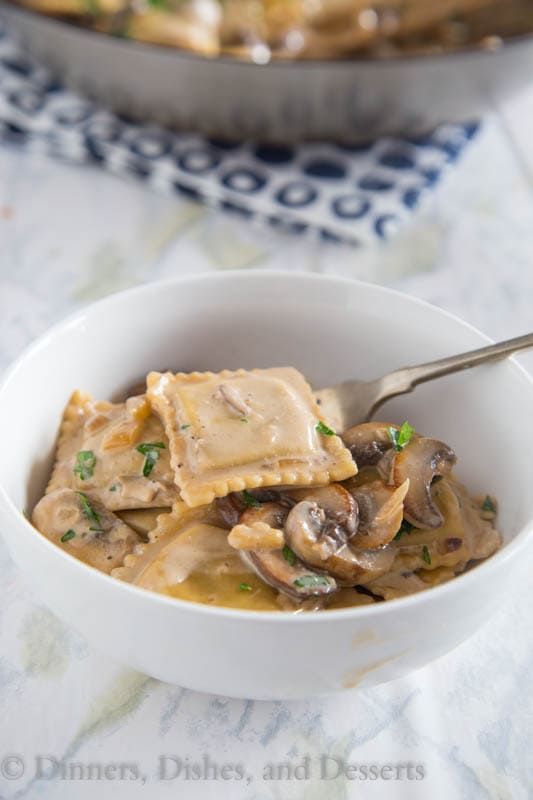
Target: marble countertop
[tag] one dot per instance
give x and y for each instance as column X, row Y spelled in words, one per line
column 70, row 235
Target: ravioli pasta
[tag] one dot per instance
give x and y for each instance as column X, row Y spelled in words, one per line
column 230, row 489
column 109, row 434
column 230, row 431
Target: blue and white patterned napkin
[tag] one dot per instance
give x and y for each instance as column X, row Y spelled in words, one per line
column 352, row 194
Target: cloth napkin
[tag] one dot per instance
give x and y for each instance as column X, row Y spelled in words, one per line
column 355, row 194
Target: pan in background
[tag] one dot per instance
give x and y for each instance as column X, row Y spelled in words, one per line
column 345, row 100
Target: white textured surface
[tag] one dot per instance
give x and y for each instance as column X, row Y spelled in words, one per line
column 70, row 235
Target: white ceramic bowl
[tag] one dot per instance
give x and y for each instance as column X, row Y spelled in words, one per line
column 331, row 329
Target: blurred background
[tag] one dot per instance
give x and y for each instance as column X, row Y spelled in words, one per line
column 388, row 141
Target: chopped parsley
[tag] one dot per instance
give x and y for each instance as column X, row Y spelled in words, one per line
column 184, row 427
column 289, row 555
column 244, row 419
column 151, row 452
column 425, row 555
column 90, row 514
column 245, row 587
column 70, row 534
column 401, row 437
column 85, row 462
column 405, row 527
column 91, row 6
column 249, row 500
column 113, row 488
column 488, row 505
column 308, row 581
column 322, row 428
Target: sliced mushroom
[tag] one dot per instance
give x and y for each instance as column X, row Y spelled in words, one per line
column 233, row 506
column 336, row 513
column 319, row 531
column 289, row 575
column 233, row 398
column 78, row 523
column 368, row 442
column 380, row 513
column 422, row 462
column 277, row 567
column 272, row 514
column 230, row 508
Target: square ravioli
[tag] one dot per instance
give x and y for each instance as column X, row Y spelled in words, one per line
column 236, row 430
column 118, row 451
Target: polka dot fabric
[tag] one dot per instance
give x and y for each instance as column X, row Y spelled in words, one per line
column 342, row 193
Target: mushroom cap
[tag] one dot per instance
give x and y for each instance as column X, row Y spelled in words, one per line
column 368, row 442
column 290, row 577
column 380, row 513
column 102, row 540
column 271, row 514
column 320, row 532
column 422, row 462
column 233, row 507
column 230, row 508
column 337, row 504
column 279, row 569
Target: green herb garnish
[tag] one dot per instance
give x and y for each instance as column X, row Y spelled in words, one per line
column 488, row 505
column 322, row 428
column 70, row 534
column 425, row 555
column 405, row 527
column 151, row 452
column 245, row 587
column 250, row 500
column 401, row 438
column 308, row 581
column 289, row 555
column 85, row 461
column 184, row 427
column 89, row 512
column 91, row 6
column 244, row 419
column 113, row 488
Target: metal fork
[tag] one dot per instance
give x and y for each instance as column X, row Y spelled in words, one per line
column 352, row 402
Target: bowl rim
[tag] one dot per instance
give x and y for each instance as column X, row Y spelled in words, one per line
column 58, row 329
column 471, row 51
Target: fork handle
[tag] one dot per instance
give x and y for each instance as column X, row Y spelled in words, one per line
column 409, row 377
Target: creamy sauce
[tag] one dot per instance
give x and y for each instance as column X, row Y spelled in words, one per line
column 198, row 565
column 214, row 435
